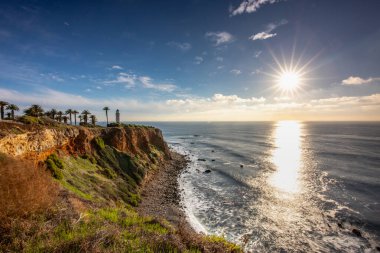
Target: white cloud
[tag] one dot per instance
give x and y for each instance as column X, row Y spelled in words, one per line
column 267, row 33
column 217, row 101
column 257, row 54
column 217, row 107
column 220, row 38
column 198, row 59
column 66, row 23
column 355, row 80
column 236, row 71
column 116, row 67
column 146, row 81
column 262, row 36
column 124, row 78
column 219, row 59
column 250, row 6
column 56, row 78
column 181, row 46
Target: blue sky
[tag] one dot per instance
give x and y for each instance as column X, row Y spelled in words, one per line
column 193, row 60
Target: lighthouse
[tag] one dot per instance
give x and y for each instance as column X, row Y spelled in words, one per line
column 117, row 116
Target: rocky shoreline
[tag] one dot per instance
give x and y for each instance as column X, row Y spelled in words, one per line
column 160, row 193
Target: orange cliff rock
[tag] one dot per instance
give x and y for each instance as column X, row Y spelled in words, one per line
column 38, row 142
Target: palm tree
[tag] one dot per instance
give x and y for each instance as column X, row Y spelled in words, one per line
column 80, row 119
column 75, row 112
column 13, row 108
column 2, row 105
column 65, row 118
column 53, row 112
column 106, row 109
column 34, row 111
column 93, row 120
column 70, row 112
column 85, row 114
column 59, row 116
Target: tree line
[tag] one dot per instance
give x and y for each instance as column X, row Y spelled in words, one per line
column 38, row 111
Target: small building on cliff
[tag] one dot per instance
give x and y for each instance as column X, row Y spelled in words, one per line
column 117, row 116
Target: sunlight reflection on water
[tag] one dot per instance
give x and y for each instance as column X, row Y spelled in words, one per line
column 287, row 157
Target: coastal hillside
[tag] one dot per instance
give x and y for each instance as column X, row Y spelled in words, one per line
column 74, row 189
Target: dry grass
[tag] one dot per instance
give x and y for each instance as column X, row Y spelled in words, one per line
column 24, row 189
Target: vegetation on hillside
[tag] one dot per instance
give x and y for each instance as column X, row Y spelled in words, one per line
column 34, row 113
column 87, row 206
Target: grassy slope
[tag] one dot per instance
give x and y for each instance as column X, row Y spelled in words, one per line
column 95, row 211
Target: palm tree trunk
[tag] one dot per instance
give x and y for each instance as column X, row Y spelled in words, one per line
column 13, row 114
column 107, row 117
column 2, row 112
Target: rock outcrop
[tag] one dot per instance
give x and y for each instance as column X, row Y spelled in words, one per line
column 39, row 142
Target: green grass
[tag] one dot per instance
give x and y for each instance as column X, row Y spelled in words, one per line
column 106, row 229
column 218, row 239
column 54, row 165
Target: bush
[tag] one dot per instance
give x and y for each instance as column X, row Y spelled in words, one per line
column 30, row 120
column 54, row 164
column 100, row 142
column 54, row 170
column 24, row 189
column 109, row 173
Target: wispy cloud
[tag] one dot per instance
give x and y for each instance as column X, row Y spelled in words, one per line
column 147, row 82
column 198, row 59
column 123, row 78
column 116, row 67
column 185, row 46
column 217, row 107
column 236, row 71
column 267, row 33
column 355, row 80
column 249, row 6
column 257, row 54
column 262, row 36
column 219, row 59
column 220, row 38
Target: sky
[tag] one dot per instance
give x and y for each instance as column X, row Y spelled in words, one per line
column 193, row 60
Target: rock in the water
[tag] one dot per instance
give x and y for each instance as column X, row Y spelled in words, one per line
column 357, row 232
column 201, row 160
column 241, row 165
column 378, row 248
column 212, row 151
column 212, row 160
column 340, row 225
column 207, row 171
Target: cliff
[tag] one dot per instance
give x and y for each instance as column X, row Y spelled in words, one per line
column 39, row 142
column 75, row 189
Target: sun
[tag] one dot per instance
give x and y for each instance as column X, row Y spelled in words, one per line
column 289, row 81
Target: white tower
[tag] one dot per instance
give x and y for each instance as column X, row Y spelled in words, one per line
column 117, row 116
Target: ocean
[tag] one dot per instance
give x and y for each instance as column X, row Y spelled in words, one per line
column 283, row 186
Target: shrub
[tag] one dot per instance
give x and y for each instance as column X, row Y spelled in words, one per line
column 54, row 164
column 24, row 189
column 54, row 170
column 100, row 142
column 109, row 173
column 30, row 120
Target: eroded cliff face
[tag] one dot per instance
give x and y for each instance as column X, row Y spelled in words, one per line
column 37, row 143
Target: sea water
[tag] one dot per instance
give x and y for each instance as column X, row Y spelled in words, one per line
column 282, row 186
